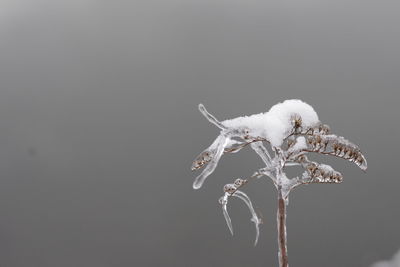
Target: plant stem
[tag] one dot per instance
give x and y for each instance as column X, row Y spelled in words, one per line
column 281, row 223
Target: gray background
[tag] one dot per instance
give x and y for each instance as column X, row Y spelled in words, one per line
column 99, row 126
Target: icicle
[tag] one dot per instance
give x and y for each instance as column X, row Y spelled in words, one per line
column 224, row 202
column 260, row 149
column 220, row 142
column 210, row 117
column 289, row 164
column 255, row 219
column 206, row 156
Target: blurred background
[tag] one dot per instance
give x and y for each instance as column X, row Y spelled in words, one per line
column 99, row 126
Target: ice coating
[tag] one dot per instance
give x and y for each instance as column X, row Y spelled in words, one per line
column 277, row 123
column 254, row 217
column 220, row 145
column 224, row 202
column 293, row 130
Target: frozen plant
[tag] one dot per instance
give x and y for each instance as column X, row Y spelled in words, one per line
column 292, row 129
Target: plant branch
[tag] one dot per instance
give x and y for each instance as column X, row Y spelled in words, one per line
column 281, row 223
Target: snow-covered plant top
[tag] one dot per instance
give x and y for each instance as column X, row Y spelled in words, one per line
column 292, row 129
column 291, row 126
column 277, row 123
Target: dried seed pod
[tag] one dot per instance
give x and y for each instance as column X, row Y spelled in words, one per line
column 311, row 140
column 327, row 174
column 328, row 179
column 360, row 161
column 301, row 159
column 309, row 131
column 311, row 167
column 202, row 159
column 350, row 154
column 239, row 182
column 338, row 178
column 297, row 121
column 320, row 173
column 210, row 153
column 290, row 142
column 356, row 155
column 337, row 146
column 320, row 128
column 340, row 149
column 323, row 129
column 230, row 188
column 326, row 129
column 324, row 144
column 317, row 172
column 345, row 151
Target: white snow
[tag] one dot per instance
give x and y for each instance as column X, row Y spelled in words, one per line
column 276, row 124
column 394, row 262
column 300, row 144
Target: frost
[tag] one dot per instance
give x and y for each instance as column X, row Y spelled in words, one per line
column 292, row 129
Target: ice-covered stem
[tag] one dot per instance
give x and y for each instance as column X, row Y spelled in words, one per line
column 283, row 186
column 281, row 223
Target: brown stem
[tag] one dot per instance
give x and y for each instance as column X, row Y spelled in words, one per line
column 281, row 220
column 234, row 149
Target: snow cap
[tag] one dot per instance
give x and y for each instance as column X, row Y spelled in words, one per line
column 277, row 123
